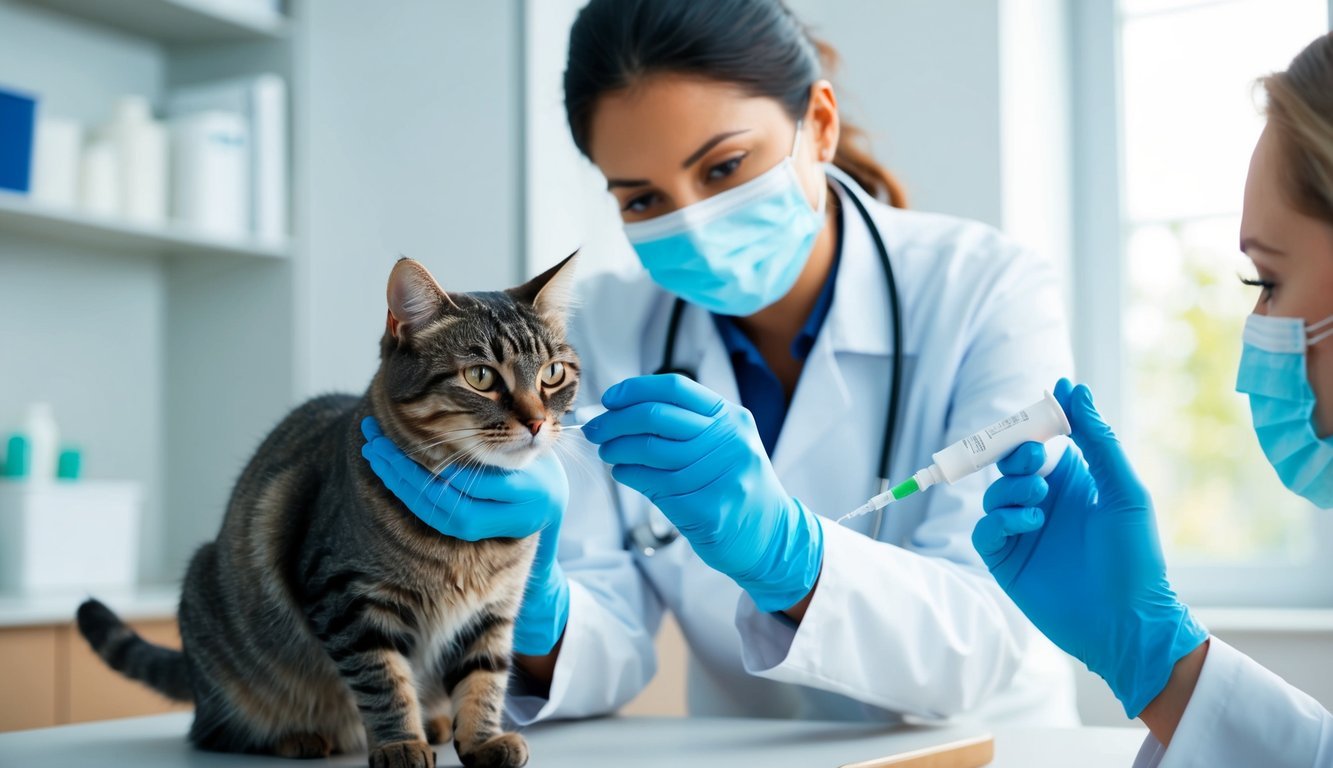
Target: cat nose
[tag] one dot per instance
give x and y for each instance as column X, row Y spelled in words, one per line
column 535, row 426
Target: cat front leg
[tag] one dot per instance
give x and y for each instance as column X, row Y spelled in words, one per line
column 476, row 681
column 372, row 660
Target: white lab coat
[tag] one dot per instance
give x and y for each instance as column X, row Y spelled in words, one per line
column 911, row 624
column 1243, row 715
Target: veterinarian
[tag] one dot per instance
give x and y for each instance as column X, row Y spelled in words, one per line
column 1078, row 551
column 811, row 339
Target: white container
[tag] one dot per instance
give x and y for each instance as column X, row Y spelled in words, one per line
column 99, row 178
column 39, row 426
column 141, row 152
column 1040, row 422
column 210, row 172
column 55, row 162
column 60, row 537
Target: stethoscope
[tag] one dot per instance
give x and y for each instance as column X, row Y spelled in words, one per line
column 654, row 533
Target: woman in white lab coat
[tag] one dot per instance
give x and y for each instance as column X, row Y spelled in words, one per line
column 1078, row 551
column 758, row 228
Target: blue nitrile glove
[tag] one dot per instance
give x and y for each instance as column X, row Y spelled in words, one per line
column 700, row 460
column 482, row 502
column 1078, row 552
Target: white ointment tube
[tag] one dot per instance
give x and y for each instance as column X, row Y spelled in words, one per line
column 1040, row 422
column 1037, row 423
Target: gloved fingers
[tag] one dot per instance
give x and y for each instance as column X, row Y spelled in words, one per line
column 1026, row 459
column 664, row 388
column 660, row 484
column 370, row 428
column 651, row 451
column 535, row 483
column 994, row 530
column 646, row 480
column 388, row 450
column 1110, row 467
column 649, row 418
column 1019, row 491
column 1063, row 388
column 385, row 471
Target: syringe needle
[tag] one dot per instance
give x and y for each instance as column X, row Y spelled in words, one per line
column 877, row 502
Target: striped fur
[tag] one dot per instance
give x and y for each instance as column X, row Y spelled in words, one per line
column 326, row 617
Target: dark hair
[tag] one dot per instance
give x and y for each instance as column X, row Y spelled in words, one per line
column 1300, row 109
column 758, row 45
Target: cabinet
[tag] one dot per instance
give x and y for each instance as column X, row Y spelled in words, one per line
column 51, row 677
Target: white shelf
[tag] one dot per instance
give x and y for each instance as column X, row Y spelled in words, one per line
column 176, row 21
column 20, row 215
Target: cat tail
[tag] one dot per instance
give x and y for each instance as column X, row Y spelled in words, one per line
column 163, row 669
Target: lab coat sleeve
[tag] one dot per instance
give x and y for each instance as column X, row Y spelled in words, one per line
column 923, row 628
column 1243, row 715
column 607, row 654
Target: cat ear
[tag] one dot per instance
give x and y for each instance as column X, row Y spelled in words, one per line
column 552, row 292
column 414, row 298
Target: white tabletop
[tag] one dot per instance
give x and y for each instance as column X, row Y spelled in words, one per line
column 157, row 742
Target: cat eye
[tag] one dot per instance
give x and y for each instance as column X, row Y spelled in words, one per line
column 480, row 377
column 553, row 374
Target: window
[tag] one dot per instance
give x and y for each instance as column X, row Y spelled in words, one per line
column 1189, row 114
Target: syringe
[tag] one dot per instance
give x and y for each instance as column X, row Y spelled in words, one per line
column 1039, row 422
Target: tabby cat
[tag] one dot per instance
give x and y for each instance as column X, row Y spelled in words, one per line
column 326, row 617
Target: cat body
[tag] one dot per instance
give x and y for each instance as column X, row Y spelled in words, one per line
column 326, row 617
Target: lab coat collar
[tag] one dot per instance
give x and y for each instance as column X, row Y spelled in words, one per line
column 860, row 321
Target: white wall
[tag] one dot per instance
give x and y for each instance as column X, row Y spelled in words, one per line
column 410, row 131
column 567, row 204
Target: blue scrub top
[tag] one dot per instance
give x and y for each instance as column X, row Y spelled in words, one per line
column 761, row 392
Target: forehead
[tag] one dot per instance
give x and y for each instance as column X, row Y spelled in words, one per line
column 1266, row 201
column 495, row 326
column 659, row 120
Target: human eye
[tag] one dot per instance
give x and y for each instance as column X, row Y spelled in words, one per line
column 639, row 203
column 1267, row 286
column 725, row 168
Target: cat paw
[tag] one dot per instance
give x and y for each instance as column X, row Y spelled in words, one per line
column 508, row 750
column 439, row 730
column 303, row 746
column 403, row 754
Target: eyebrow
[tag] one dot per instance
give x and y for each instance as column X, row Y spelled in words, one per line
column 707, row 145
column 1250, row 243
column 691, row 160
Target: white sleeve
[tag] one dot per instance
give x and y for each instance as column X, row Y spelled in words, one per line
column 924, row 629
column 890, row 628
column 1243, row 715
column 607, row 654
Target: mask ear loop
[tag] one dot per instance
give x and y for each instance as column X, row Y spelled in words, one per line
column 1316, row 328
column 823, row 188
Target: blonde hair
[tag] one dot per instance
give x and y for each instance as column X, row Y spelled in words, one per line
column 1300, row 109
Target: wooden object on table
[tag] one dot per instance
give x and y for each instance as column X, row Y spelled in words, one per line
column 965, row 753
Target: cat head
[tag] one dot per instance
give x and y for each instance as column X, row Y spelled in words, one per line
column 483, row 377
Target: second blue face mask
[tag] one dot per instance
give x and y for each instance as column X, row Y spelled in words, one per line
column 1273, row 373
column 738, row 251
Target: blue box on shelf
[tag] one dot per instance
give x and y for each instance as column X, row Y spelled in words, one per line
column 18, row 113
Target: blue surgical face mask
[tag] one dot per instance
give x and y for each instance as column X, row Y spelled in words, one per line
column 1272, row 372
column 737, row 251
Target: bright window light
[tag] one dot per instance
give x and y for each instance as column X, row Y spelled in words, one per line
column 1191, row 114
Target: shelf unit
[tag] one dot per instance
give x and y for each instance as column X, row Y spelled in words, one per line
column 176, row 21
column 20, row 215
column 166, row 352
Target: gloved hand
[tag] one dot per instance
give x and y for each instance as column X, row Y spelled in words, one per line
column 482, row 502
column 1078, row 552
column 700, row 460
